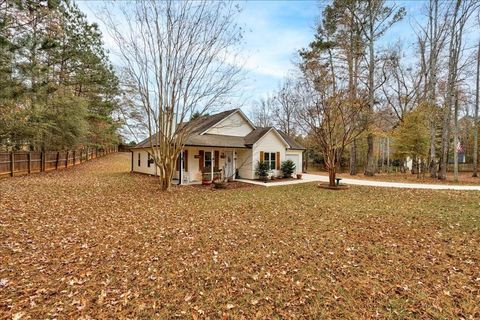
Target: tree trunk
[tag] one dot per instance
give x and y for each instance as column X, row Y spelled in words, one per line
column 433, row 152
column 456, row 141
column 370, row 167
column 353, row 158
column 450, row 96
column 475, row 132
column 433, row 22
column 414, row 165
column 331, row 176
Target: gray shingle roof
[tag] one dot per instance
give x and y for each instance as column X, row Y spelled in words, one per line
column 293, row 144
column 199, row 125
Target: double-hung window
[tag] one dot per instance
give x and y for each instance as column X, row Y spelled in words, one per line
column 207, row 160
column 269, row 157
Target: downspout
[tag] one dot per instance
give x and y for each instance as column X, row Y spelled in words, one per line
column 180, row 169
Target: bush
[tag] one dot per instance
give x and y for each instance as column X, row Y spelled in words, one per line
column 262, row 170
column 288, row 167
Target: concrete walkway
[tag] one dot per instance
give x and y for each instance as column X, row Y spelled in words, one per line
column 360, row 182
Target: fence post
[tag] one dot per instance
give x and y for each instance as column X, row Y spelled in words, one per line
column 42, row 161
column 66, row 160
column 74, row 157
column 29, row 158
column 56, row 162
column 12, row 163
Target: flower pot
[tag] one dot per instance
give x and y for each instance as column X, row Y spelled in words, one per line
column 299, row 176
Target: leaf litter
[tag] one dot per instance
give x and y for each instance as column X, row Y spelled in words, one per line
column 96, row 241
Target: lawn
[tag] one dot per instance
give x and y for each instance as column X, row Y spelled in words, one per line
column 97, row 241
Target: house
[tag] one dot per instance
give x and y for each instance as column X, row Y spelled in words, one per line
column 225, row 143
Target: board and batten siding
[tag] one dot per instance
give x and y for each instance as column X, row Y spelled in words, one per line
column 270, row 142
column 245, row 163
column 234, row 125
column 143, row 168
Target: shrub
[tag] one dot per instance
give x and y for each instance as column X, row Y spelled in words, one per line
column 262, row 170
column 288, row 167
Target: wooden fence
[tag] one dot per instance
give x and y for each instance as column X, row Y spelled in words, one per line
column 22, row 162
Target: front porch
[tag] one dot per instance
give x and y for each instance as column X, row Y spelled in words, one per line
column 197, row 164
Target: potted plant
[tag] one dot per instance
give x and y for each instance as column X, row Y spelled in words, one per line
column 262, row 170
column 288, row 167
column 299, row 176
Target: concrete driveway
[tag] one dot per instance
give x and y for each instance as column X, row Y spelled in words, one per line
column 361, row 182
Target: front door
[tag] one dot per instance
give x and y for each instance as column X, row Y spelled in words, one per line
column 229, row 165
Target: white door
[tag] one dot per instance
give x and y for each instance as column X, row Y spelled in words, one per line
column 296, row 159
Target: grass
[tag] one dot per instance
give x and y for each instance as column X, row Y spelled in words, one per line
column 464, row 178
column 97, row 241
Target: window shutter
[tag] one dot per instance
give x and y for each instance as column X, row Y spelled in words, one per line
column 217, row 160
column 262, row 156
column 201, row 160
column 277, row 158
column 185, row 160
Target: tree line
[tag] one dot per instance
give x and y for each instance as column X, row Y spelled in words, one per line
column 58, row 89
column 420, row 105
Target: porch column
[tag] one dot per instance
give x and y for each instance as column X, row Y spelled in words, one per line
column 212, row 162
column 234, row 155
column 180, row 169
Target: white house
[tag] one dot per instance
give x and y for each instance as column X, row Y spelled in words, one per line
column 227, row 143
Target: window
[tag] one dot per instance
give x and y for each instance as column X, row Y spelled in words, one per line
column 269, row 157
column 139, row 159
column 207, row 159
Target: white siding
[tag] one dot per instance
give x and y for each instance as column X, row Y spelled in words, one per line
column 143, row 168
column 244, row 163
column 271, row 142
column 234, row 125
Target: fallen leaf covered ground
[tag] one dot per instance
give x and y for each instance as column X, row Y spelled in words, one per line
column 97, row 241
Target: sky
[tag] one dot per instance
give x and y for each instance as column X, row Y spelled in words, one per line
column 275, row 31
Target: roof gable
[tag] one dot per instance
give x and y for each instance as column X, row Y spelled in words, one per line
column 233, row 124
column 275, row 132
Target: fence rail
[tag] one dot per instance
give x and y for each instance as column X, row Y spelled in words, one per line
column 22, row 162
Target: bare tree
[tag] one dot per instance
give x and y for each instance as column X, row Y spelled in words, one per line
column 331, row 119
column 261, row 113
column 477, row 102
column 461, row 13
column 329, row 115
column 179, row 59
column 287, row 102
column 375, row 21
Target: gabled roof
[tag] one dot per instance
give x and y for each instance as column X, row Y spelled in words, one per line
column 294, row 145
column 200, row 126
column 227, row 115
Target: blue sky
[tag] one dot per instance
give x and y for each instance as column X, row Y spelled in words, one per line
column 275, row 31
